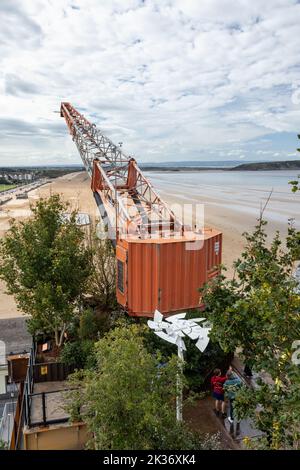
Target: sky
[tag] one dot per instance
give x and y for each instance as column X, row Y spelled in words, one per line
column 174, row 80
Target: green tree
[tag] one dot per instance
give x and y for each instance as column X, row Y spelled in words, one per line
column 88, row 325
column 46, row 266
column 259, row 312
column 102, row 281
column 79, row 354
column 128, row 400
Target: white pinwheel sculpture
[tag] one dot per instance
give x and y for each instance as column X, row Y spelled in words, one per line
column 176, row 327
column 173, row 329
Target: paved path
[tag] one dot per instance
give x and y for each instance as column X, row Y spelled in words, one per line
column 13, row 332
column 246, row 427
column 202, row 418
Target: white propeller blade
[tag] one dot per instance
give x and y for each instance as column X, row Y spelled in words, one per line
column 176, row 327
column 158, row 317
column 166, row 337
column 157, row 326
column 203, row 340
column 178, row 316
column 152, row 324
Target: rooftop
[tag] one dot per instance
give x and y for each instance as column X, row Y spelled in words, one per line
column 54, row 396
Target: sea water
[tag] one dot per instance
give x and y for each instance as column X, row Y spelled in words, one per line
column 244, row 192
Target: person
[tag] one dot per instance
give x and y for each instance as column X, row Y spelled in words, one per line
column 231, row 385
column 217, row 382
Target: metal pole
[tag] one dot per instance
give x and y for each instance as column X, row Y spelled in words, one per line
column 44, row 408
column 179, row 387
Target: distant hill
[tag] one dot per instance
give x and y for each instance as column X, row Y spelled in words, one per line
column 265, row 166
column 181, row 169
column 190, row 164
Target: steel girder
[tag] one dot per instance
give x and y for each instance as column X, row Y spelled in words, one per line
column 123, row 188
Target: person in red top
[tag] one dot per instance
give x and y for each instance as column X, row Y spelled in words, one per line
column 217, row 382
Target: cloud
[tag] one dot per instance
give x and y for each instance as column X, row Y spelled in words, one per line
column 172, row 80
column 16, row 86
column 18, row 30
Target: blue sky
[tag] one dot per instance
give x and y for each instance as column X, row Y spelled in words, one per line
column 173, row 80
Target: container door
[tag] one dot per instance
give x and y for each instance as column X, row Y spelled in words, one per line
column 121, row 272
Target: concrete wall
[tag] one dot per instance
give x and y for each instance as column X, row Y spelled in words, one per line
column 56, row 437
column 13, row 332
column 3, row 374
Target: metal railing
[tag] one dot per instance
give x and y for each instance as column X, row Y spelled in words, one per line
column 39, row 403
column 7, row 422
column 29, row 382
column 35, row 409
column 44, row 410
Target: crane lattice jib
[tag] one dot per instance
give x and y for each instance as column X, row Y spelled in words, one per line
column 121, row 185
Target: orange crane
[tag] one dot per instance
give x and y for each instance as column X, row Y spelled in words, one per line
column 161, row 263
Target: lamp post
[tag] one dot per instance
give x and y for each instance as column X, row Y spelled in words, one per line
column 173, row 329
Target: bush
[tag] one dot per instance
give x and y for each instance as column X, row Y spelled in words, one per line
column 128, row 400
column 3, row 445
column 88, row 327
column 80, row 354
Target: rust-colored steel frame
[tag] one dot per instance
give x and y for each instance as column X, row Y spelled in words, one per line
column 124, row 188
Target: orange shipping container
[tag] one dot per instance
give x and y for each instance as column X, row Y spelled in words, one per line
column 165, row 274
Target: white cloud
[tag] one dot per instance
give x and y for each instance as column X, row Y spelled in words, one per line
column 171, row 79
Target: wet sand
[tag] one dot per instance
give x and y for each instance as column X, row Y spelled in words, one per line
column 232, row 202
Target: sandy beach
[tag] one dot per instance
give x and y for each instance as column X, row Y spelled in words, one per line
column 232, row 202
column 232, row 209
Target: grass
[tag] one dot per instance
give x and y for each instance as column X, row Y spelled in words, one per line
column 5, row 187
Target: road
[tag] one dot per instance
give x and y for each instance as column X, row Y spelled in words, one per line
column 9, row 194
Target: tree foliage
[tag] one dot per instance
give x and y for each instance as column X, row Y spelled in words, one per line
column 102, row 281
column 88, row 325
column 46, row 265
column 79, row 354
column 259, row 312
column 198, row 365
column 128, row 400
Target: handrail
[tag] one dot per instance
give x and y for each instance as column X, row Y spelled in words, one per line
column 5, row 420
column 48, row 392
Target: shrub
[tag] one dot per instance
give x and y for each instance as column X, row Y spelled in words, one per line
column 79, row 354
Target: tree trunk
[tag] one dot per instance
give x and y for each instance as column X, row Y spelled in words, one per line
column 56, row 337
column 61, row 338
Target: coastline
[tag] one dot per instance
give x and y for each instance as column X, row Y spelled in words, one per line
column 253, row 166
